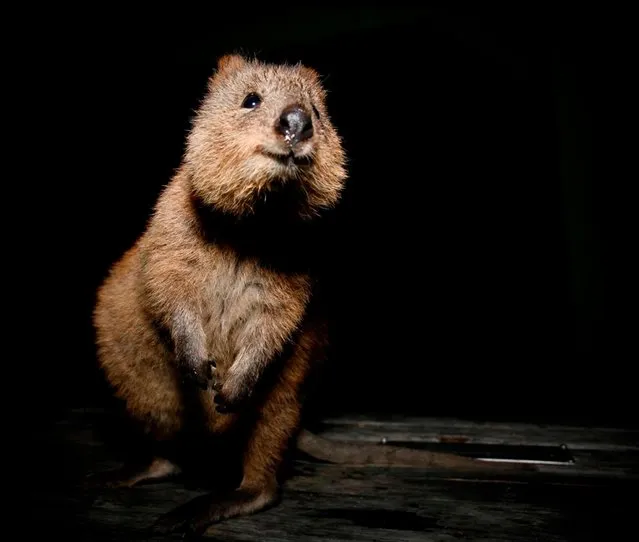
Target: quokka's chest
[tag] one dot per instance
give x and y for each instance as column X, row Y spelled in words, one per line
column 241, row 301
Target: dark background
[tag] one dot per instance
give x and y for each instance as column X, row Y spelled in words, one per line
column 481, row 260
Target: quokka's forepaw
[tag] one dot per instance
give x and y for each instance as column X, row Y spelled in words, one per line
column 197, row 373
column 229, row 398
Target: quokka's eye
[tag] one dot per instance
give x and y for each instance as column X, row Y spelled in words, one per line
column 251, row 101
column 317, row 113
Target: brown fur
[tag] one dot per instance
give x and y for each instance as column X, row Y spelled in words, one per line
column 217, row 292
column 196, row 299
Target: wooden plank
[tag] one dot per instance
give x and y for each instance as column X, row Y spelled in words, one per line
column 440, row 429
column 330, row 502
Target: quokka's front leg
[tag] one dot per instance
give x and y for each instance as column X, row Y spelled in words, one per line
column 189, row 343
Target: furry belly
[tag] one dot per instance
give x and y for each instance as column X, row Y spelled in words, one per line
column 234, row 301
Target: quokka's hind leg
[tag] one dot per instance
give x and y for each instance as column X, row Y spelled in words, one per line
column 132, row 474
column 142, row 441
column 259, row 489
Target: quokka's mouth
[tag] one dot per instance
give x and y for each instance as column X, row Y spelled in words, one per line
column 289, row 158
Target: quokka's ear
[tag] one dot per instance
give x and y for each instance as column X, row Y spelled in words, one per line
column 230, row 62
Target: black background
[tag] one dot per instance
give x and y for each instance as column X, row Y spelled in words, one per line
column 481, row 258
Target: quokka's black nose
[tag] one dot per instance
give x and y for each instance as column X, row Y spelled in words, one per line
column 295, row 124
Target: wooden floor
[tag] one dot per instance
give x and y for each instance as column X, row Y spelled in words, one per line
column 586, row 490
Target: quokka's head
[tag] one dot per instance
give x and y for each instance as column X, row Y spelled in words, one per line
column 260, row 127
